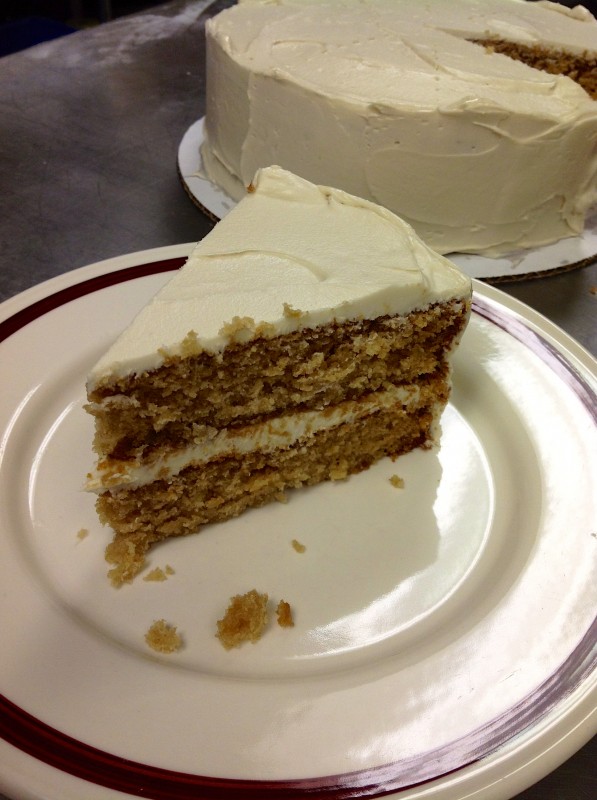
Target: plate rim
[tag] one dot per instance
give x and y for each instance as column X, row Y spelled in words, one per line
column 568, row 347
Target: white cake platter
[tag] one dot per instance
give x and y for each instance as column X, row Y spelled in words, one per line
column 444, row 638
column 567, row 254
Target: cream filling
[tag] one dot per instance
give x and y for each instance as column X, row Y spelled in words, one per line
column 282, row 432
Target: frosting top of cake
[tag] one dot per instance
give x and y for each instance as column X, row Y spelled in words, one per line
column 402, row 56
column 543, row 22
column 290, row 255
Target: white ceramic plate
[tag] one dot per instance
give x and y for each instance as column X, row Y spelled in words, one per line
column 445, row 632
column 521, row 264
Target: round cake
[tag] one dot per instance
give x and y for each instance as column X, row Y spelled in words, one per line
column 473, row 120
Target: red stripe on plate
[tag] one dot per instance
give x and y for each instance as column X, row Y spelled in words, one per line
column 45, row 743
column 70, row 293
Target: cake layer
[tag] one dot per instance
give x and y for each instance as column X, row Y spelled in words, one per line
column 188, row 400
column 225, row 487
column 393, row 101
column 581, row 67
column 280, row 432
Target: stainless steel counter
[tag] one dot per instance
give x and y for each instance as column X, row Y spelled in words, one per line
column 90, row 126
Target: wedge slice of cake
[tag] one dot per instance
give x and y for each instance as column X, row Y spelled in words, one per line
column 306, row 337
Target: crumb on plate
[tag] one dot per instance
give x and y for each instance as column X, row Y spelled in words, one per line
column 245, row 619
column 159, row 574
column 397, row 481
column 163, row 637
column 284, row 613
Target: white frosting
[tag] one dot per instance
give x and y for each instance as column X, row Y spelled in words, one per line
column 288, row 247
column 282, row 432
column 576, row 12
column 387, row 99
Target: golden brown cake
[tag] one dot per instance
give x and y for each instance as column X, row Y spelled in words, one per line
column 163, row 637
column 307, row 336
column 245, row 619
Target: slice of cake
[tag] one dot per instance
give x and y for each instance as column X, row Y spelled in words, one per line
column 307, row 336
column 473, row 120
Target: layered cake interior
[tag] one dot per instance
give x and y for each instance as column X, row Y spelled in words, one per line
column 473, row 120
column 307, row 336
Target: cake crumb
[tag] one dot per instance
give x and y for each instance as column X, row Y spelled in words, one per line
column 266, row 330
column 339, row 472
column 292, row 313
column 300, row 548
column 281, row 497
column 159, row 574
column 163, row 637
column 593, row 290
column 129, row 560
column 284, row 613
column 245, row 619
column 190, row 345
column 82, row 533
column 239, row 329
column 397, row 481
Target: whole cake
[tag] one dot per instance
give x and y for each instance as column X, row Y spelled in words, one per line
column 473, row 120
column 307, row 336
